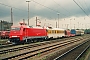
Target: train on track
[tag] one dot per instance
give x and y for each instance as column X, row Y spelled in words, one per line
column 87, row 31
column 25, row 34
column 4, row 34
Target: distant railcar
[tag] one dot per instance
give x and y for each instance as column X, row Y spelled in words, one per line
column 73, row 32
column 4, row 34
column 55, row 33
column 82, row 32
column 0, row 34
column 78, row 32
column 67, row 33
column 87, row 31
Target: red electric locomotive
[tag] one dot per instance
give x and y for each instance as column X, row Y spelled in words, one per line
column 24, row 33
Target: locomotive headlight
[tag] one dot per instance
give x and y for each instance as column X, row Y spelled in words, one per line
column 14, row 36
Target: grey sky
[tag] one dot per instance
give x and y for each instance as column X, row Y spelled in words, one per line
column 45, row 9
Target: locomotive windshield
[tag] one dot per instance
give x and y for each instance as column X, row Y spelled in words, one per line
column 15, row 28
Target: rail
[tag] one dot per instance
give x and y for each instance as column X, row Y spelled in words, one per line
column 82, row 52
column 64, row 54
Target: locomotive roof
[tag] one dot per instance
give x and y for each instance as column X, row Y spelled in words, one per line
column 25, row 26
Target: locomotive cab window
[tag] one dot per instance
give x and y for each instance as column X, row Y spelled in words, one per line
column 15, row 28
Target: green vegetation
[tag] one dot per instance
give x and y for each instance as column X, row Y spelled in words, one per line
column 39, row 54
column 44, row 58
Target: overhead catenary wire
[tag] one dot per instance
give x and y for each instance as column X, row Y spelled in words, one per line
column 46, row 7
column 26, row 10
column 81, row 8
column 82, row 5
column 16, row 8
column 33, row 12
column 86, row 5
column 62, row 7
column 49, row 8
column 12, row 7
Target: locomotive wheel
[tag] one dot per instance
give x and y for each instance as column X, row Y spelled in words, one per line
column 35, row 40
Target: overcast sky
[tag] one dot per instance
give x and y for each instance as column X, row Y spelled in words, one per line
column 72, row 13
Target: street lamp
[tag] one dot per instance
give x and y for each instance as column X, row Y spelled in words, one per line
column 58, row 19
column 28, row 11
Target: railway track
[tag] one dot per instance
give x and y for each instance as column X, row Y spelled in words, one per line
column 31, row 51
column 74, row 53
column 82, row 53
column 7, row 50
column 6, row 45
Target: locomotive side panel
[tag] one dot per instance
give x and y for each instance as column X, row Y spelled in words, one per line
column 31, row 33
